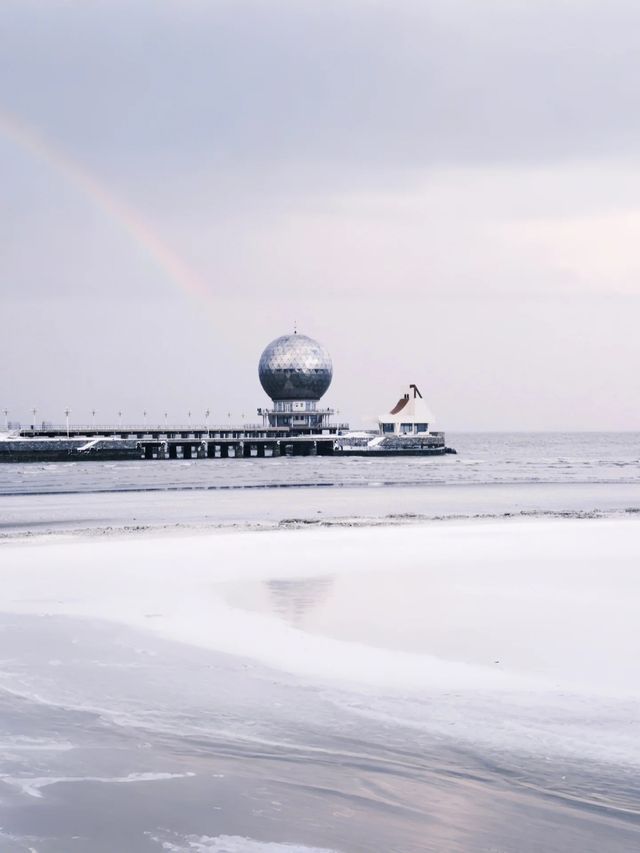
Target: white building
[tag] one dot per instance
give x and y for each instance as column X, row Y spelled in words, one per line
column 409, row 416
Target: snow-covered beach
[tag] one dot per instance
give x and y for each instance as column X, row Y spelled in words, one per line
column 504, row 652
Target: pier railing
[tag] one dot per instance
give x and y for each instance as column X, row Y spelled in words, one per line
column 148, row 427
column 198, row 431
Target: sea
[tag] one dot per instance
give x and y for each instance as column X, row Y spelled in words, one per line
column 324, row 655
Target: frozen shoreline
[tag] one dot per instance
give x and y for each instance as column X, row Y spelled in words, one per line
column 567, row 589
column 503, row 652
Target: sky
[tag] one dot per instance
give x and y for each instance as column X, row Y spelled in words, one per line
column 443, row 192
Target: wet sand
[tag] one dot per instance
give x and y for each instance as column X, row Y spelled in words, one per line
column 313, row 777
column 256, row 507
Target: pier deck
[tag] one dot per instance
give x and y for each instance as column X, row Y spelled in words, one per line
column 58, row 444
column 114, row 443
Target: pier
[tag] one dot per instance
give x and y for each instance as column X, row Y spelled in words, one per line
column 294, row 371
column 57, row 443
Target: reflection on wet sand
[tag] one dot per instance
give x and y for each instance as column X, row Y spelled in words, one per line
column 294, row 598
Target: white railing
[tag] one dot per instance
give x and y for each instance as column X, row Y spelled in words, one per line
column 137, row 428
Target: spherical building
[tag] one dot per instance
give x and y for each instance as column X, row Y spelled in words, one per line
column 295, row 367
column 295, row 371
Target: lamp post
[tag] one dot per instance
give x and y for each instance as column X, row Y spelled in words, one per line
column 6, row 419
column 93, row 418
column 34, row 412
column 206, row 421
column 166, row 415
column 120, row 419
column 67, row 412
column 144, row 415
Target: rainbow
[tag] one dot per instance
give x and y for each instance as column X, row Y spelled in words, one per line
column 171, row 264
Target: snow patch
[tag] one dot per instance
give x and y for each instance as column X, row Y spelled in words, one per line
column 33, row 785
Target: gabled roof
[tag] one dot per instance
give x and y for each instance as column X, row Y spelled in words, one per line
column 410, row 408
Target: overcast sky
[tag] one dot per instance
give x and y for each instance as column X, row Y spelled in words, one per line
column 444, row 192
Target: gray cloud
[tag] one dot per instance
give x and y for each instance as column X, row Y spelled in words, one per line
column 338, row 82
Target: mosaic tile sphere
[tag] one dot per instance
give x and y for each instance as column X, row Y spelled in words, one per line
column 295, row 367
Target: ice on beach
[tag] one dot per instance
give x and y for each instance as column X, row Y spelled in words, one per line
column 431, row 626
column 33, row 785
column 33, row 744
column 234, row 844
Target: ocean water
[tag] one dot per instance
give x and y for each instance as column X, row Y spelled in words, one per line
column 324, row 655
column 482, row 458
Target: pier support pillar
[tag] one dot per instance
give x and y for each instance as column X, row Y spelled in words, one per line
column 325, row 448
